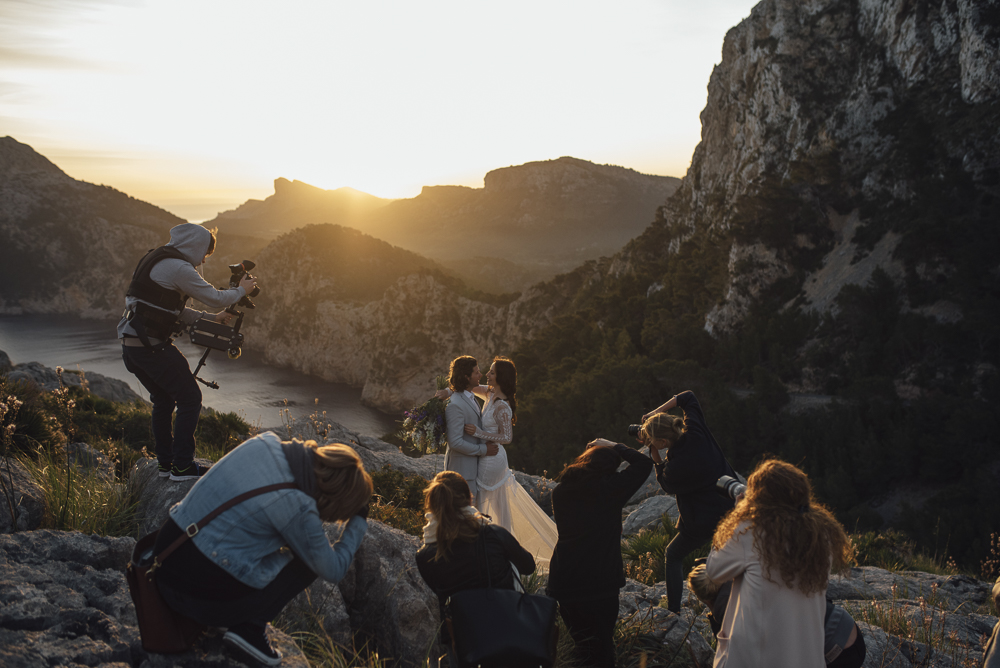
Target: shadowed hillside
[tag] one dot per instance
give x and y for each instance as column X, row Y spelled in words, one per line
column 527, row 224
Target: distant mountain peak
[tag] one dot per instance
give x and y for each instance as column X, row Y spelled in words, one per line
column 566, row 172
column 19, row 160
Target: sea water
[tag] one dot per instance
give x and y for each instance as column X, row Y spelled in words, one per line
column 254, row 390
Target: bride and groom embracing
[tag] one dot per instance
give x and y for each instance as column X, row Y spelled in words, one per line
column 476, row 437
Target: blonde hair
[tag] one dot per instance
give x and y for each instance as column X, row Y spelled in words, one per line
column 663, row 425
column 343, row 485
column 446, row 496
column 793, row 533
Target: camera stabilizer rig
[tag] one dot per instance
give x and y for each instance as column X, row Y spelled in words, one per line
column 216, row 336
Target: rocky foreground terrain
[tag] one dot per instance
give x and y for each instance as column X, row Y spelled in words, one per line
column 64, row 600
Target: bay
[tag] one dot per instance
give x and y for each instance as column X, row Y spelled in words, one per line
column 256, row 391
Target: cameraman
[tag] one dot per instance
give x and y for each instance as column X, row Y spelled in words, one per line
column 694, row 462
column 155, row 312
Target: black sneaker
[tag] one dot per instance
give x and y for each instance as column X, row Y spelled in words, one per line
column 164, row 470
column 251, row 640
column 192, row 472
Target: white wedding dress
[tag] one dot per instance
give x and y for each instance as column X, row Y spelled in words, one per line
column 502, row 497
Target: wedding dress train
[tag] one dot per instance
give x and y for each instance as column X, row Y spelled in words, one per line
column 502, row 498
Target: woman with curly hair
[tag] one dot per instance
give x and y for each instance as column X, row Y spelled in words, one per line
column 779, row 544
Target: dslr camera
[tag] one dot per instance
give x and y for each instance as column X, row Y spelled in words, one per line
column 731, row 486
column 634, row 429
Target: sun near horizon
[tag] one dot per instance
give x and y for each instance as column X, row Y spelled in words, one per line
column 198, row 107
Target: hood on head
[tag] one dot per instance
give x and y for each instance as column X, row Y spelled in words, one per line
column 191, row 240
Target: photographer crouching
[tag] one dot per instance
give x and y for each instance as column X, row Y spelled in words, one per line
column 693, row 465
column 155, row 311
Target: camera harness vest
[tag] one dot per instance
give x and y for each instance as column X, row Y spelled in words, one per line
column 147, row 321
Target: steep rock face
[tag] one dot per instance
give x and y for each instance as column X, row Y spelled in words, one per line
column 67, row 246
column 381, row 318
column 880, row 111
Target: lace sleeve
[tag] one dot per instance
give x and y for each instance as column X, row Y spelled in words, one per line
column 502, row 415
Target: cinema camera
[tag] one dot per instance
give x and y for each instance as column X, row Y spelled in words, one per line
column 216, row 336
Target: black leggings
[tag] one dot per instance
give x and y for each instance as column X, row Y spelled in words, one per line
column 592, row 625
column 673, row 570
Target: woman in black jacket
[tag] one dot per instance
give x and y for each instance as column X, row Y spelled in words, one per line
column 694, row 463
column 459, row 542
column 586, row 570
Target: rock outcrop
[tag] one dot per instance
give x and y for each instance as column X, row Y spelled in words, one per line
column 67, row 246
column 49, row 379
column 315, row 316
column 64, row 601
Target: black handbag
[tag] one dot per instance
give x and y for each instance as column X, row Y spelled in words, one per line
column 496, row 628
column 161, row 629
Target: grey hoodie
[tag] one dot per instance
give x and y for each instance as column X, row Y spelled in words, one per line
column 192, row 241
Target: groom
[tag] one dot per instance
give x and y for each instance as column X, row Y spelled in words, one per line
column 464, row 451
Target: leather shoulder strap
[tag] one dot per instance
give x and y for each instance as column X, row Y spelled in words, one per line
column 193, row 529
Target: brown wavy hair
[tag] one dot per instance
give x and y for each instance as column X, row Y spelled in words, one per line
column 793, row 533
column 507, row 380
column 343, row 484
column 446, row 495
column 595, row 462
column 461, row 372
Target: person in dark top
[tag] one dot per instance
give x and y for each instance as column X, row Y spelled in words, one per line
column 586, row 570
column 459, row 542
column 694, row 463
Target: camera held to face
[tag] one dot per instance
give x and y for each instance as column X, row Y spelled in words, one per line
column 730, row 486
column 634, row 431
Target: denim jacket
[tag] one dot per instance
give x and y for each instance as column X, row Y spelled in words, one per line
column 255, row 539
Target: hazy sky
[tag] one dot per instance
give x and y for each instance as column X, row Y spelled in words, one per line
column 198, row 105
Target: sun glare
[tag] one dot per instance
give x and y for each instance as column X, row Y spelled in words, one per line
column 383, row 97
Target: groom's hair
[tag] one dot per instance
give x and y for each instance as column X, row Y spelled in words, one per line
column 461, row 370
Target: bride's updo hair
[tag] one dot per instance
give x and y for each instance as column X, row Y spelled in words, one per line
column 461, row 372
column 446, row 496
column 507, row 380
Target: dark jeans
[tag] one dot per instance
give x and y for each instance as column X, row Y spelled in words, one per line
column 681, row 546
column 165, row 374
column 592, row 625
column 258, row 607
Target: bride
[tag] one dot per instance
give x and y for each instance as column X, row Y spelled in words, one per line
column 501, row 497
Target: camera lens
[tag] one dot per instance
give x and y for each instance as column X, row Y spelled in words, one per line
column 633, row 430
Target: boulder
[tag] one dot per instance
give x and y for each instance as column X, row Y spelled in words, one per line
column 649, row 488
column 386, row 598
column 649, row 514
column 48, row 380
column 5, row 364
column 945, row 591
column 159, row 494
column 90, row 460
column 20, row 492
column 64, row 601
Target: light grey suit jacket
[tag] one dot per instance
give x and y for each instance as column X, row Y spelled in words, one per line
column 463, row 451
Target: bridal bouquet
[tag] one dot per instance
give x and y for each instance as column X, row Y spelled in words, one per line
column 424, row 426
